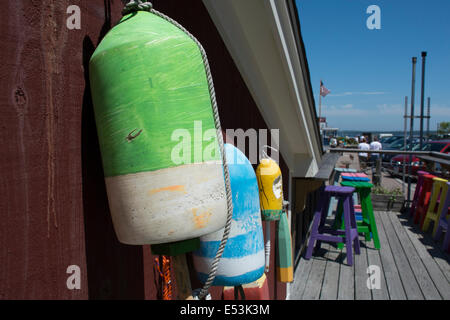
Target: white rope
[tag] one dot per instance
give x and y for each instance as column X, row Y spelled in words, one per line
column 264, row 153
column 136, row 5
column 267, row 246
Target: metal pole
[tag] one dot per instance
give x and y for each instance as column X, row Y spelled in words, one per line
column 411, row 128
column 422, row 97
column 428, row 119
column 405, row 126
column 320, row 101
column 320, row 115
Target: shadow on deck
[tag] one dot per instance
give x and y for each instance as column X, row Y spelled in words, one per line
column 412, row 267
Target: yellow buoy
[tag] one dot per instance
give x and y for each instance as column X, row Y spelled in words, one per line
column 270, row 188
column 270, row 185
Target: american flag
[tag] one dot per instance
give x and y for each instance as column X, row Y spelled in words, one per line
column 323, row 91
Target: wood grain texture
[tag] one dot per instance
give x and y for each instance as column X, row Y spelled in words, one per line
column 410, row 285
column 54, row 210
column 391, row 273
column 40, row 128
column 331, row 280
column 346, row 279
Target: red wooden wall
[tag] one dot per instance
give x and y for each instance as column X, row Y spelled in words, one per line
column 53, row 207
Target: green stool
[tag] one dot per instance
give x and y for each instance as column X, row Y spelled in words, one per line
column 368, row 225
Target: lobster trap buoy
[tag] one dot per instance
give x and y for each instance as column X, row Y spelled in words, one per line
column 153, row 109
column 243, row 257
column 270, row 185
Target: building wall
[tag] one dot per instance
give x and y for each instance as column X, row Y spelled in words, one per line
column 53, row 204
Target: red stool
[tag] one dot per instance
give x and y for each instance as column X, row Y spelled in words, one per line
column 419, row 185
column 424, row 198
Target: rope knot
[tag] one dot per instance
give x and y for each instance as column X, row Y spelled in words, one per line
column 137, row 5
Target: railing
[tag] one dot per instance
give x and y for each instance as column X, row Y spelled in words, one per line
column 427, row 153
column 431, row 156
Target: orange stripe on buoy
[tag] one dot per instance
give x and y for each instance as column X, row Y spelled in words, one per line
column 200, row 219
column 170, row 188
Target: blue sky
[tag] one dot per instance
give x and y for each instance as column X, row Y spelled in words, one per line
column 369, row 71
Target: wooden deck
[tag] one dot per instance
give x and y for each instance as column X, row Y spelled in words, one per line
column 412, row 265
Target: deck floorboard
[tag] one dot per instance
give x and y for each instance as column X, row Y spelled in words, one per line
column 412, row 266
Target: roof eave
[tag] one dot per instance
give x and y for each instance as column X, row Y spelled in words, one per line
column 264, row 39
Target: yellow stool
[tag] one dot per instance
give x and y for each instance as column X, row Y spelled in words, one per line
column 440, row 188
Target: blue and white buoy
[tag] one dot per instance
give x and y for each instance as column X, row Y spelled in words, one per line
column 243, row 258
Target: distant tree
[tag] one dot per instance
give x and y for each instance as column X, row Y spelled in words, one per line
column 444, row 128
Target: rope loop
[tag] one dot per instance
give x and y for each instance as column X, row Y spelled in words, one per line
column 137, row 5
column 264, row 154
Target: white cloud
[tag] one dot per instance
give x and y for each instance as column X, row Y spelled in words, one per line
column 439, row 111
column 399, row 110
column 349, row 93
column 390, row 109
column 387, row 116
column 346, row 110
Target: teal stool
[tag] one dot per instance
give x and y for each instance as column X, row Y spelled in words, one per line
column 337, row 175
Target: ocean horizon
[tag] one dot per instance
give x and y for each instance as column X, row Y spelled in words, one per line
column 354, row 133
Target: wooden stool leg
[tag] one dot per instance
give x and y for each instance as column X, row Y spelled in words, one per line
column 365, row 214
column 341, row 222
column 412, row 209
column 323, row 217
column 354, row 227
column 314, row 232
column 443, row 203
column 418, row 213
column 436, row 223
column 338, row 218
column 446, row 244
column 430, row 215
column 348, row 232
column 373, row 225
column 437, row 235
column 426, row 222
column 444, row 221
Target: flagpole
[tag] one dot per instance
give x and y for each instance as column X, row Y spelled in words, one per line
column 320, row 101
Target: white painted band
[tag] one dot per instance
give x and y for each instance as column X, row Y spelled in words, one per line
column 168, row 205
column 231, row 267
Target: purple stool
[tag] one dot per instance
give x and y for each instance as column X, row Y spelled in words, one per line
column 443, row 222
column 419, row 185
column 321, row 233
